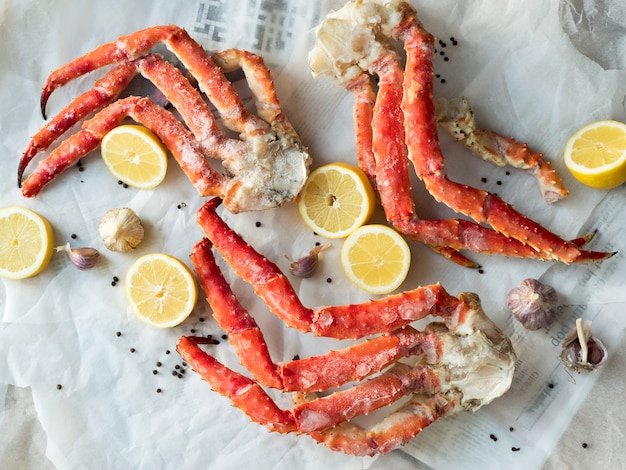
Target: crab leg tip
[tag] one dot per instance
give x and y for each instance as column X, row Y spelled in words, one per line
column 42, row 106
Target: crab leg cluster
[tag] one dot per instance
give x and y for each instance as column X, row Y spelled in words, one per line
column 355, row 44
column 460, row 363
column 264, row 168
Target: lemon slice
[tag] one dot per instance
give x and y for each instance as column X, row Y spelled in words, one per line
column 26, row 243
column 376, row 258
column 135, row 156
column 596, row 154
column 336, row 199
column 160, row 290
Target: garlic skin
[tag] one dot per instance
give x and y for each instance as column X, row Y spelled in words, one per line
column 121, row 230
column 582, row 352
column 305, row 266
column 533, row 304
column 83, row 258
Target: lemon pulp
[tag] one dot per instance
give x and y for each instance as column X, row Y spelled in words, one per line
column 336, row 199
column 135, row 156
column 376, row 258
column 596, row 154
column 160, row 290
column 26, row 243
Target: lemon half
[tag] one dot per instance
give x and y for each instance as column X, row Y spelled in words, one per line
column 376, row 258
column 596, row 154
column 336, row 199
column 160, row 290
column 135, row 156
column 26, row 243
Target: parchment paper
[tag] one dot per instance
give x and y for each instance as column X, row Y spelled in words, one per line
column 524, row 78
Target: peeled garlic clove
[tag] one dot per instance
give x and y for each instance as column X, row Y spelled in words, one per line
column 581, row 350
column 83, row 258
column 121, row 230
column 533, row 304
column 305, row 266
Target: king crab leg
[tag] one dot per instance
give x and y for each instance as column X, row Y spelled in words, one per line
column 394, row 188
column 364, row 100
column 356, row 40
column 391, row 433
column 104, row 92
column 341, row 322
column 179, row 91
column 200, row 65
column 457, row 119
column 353, row 321
column 260, row 82
column 265, row 167
column 245, row 393
column 382, row 155
column 425, row 152
column 468, row 345
column 183, row 145
column 309, row 374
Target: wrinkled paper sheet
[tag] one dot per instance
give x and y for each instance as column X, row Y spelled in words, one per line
column 525, row 78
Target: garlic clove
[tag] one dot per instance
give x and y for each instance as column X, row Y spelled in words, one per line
column 83, row 258
column 305, row 266
column 581, row 350
column 121, row 230
column 533, row 304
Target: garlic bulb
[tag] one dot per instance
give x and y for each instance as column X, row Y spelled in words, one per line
column 533, row 304
column 121, row 230
column 581, row 350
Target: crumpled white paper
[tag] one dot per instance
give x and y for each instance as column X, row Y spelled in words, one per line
column 597, row 29
column 524, row 79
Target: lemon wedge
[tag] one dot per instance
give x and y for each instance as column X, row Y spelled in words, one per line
column 135, row 156
column 376, row 258
column 160, row 290
column 596, row 154
column 336, row 199
column 26, row 243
